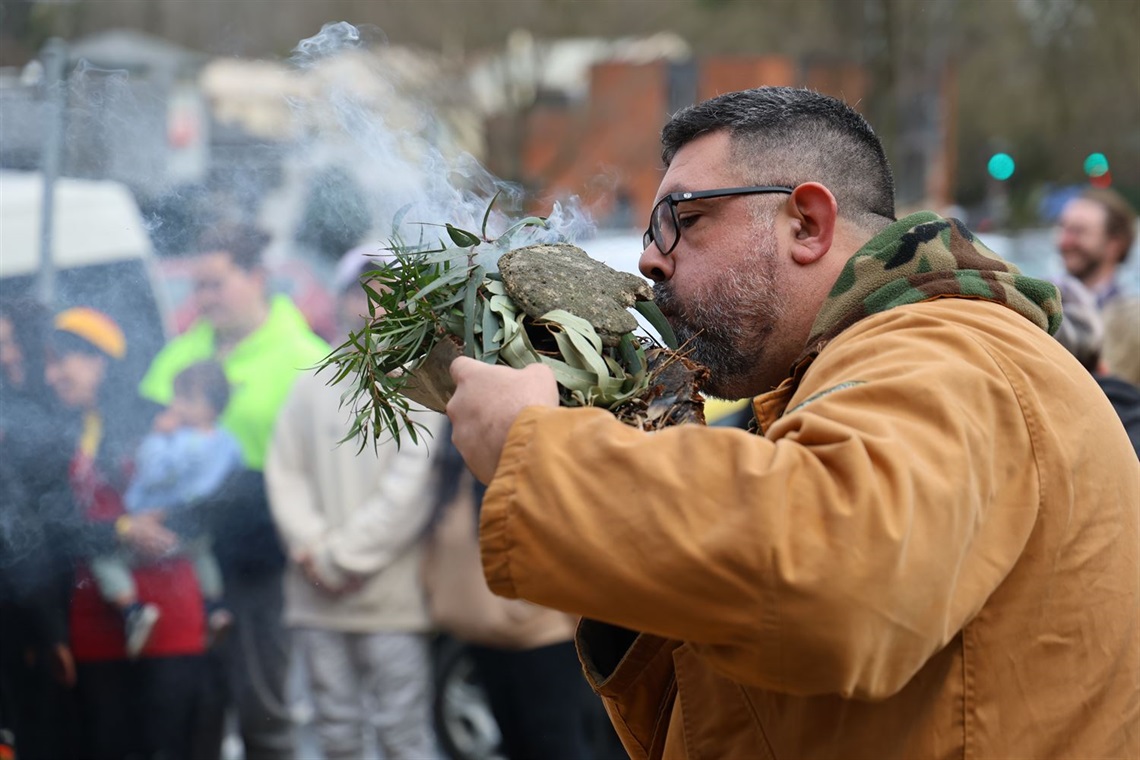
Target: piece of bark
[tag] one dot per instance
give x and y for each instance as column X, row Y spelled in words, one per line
column 542, row 278
column 673, row 396
column 430, row 384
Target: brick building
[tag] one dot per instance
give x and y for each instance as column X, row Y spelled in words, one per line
column 605, row 148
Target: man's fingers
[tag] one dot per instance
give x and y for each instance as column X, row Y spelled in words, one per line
column 460, row 365
column 538, row 368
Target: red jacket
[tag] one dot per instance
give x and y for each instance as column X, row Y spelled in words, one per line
column 96, row 626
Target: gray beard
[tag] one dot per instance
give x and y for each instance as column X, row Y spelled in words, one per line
column 727, row 328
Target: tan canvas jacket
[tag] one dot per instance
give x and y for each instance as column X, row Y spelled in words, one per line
column 930, row 553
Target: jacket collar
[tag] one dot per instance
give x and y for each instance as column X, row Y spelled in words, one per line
column 917, row 258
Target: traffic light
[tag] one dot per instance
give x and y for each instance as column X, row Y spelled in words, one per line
column 1096, row 166
column 1001, row 166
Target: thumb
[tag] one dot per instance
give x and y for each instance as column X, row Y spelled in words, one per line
column 461, row 366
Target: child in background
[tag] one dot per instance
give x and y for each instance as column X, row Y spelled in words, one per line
column 186, row 457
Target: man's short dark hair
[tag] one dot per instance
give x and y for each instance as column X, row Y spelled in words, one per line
column 786, row 136
column 243, row 242
column 1120, row 217
column 208, row 378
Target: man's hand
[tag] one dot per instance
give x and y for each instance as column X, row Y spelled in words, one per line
column 147, row 536
column 167, row 422
column 63, row 664
column 486, row 402
column 308, row 567
column 307, row 564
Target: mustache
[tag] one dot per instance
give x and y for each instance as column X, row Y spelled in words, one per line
column 665, row 298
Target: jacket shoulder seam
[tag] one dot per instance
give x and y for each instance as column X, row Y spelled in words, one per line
column 1027, row 416
column 1031, row 428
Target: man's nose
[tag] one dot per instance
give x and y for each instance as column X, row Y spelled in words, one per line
column 654, row 265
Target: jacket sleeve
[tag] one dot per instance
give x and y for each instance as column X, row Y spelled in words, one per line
column 157, row 465
column 393, row 516
column 289, row 477
column 218, row 458
column 836, row 555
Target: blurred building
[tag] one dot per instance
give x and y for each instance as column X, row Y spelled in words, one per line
column 582, row 117
column 586, row 121
column 130, row 112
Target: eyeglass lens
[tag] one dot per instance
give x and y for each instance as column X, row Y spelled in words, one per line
column 662, row 227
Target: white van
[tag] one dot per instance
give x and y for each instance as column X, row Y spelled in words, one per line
column 101, row 253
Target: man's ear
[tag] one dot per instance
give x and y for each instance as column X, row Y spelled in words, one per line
column 813, row 210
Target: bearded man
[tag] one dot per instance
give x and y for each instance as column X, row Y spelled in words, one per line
column 929, row 548
column 1095, row 233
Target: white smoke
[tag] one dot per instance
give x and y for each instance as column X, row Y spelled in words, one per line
column 362, row 113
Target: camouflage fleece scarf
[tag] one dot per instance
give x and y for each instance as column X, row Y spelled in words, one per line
column 921, row 257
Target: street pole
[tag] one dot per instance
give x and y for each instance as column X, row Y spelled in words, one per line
column 54, row 55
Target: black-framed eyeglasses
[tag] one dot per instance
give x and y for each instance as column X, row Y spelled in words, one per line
column 665, row 229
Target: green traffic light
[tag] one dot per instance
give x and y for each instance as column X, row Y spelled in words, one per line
column 1001, row 166
column 1096, row 165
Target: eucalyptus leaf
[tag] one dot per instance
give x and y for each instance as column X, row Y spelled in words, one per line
column 462, row 238
column 469, row 316
column 633, row 357
column 398, row 219
column 491, row 332
column 653, row 315
column 487, row 213
column 452, row 278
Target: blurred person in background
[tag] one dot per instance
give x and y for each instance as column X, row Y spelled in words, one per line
column 929, row 549
column 523, row 653
column 1083, row 332
column 263, row 345
column 352, row 522
column 1095, row 232
column 36, row 666
column 185, row 458
column 1122, row 338
column 127, row 707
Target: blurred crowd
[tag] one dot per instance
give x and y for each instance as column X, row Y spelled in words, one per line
column 170, row 549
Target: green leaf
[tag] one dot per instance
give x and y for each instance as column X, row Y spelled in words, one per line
column 504, row 305
column 398, row 219
column 576, row 324
column 454, row 277
column 491, row 332
column 567, row 350
column 441, row 256
column 530, row 221
column 462, row 238
column 516, row 350
column 568, row 377
column 632, row 355
column 487, row 213
column 469, row 302
column 653, row 315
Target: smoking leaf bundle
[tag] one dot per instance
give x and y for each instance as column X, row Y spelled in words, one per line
column 549, row 304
